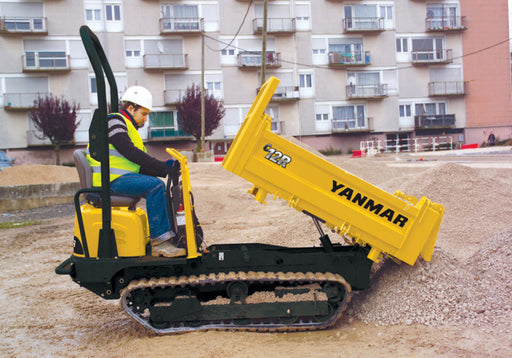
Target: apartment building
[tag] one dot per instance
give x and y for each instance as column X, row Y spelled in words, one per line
column 350, row 71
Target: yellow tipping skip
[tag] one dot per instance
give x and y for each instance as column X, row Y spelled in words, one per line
column 397, row 225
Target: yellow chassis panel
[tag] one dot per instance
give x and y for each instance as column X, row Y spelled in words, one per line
column 397, row 225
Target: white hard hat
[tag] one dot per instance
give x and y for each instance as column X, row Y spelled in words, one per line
column 138, row 95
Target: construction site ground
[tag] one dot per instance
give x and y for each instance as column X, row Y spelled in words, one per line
column 457, row 305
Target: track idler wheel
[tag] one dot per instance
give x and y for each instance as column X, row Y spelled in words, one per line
column 237, row 291
column 140, row 300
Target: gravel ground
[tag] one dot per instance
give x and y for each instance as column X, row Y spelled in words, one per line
column 456, row 305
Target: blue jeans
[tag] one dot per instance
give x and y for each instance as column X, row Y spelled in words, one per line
column 153, row 190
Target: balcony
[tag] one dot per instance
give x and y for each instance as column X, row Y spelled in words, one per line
column 24, row 25
column 446, row 23
column 166, row 61
column 171, row 97
column 375, row 91
column 363, row 24
column 431, row 57
column 275, row 26
column 430, row 121
column 449, row 88
column 285, row 94
column 163, row 133
column 173, row 25
column 21, row 101
column 352, row 125
column 348, row 59
column 45, row 61
column 252, row 60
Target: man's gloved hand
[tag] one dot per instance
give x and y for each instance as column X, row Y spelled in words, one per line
column 173, row 166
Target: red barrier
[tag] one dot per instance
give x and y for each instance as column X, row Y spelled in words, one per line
column 358, row 153
column 469, row 146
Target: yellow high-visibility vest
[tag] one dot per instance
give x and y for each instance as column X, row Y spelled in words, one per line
column 119, row 165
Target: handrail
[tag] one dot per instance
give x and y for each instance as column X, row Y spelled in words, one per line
column 98, row 135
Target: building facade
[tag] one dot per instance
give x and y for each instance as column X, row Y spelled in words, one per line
column 391, row 73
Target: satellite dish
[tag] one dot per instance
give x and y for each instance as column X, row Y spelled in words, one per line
column 160, row 47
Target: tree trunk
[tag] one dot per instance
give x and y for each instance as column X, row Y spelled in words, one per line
column 57, row 154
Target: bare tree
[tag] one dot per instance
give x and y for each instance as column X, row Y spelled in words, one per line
column 189, row 113
column 56, row 118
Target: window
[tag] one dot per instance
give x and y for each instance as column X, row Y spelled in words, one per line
column 346, row 50
column 132, row 53
column 213, row 86
column 302, row 16
column 105, row 17
column 113, row 12
column 368, row 17
column 425, row 109
column 120, row 83
column 164, row 125
column 401, row 44
column 180, row 17
column 428, row 49
column 305, row 81
column 227, row 52
column 405, row 110
column 442, row 16
column 322, row 116
column 386, row 12
column 348, row 117
column 93, row 14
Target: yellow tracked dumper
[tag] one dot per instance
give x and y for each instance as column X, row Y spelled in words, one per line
column 241, row 286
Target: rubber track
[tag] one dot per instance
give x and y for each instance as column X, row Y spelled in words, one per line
column 225, row 278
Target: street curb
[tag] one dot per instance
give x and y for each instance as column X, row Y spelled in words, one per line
column 22, row 197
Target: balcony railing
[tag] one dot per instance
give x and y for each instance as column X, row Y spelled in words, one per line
column 341, row 59
column 449, row 88
column 284, row 94
column 363, row 24
column 432, row 56
column 174, row 25
column 367, row 91
column 21, row 101
column 24, row 25
column 45, row 62
column 274, row 25
column 446, row 23
column 156, row 133
column 364, row 124
column 253, row 60
column 434, row 121
column 166, row 61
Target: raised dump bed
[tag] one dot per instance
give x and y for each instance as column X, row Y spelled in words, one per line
column 395, row 224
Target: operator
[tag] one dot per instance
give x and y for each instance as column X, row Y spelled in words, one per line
column 133, row 172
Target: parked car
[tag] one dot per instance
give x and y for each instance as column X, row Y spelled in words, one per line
column 5, row 161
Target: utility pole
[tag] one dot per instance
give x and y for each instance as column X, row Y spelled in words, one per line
column 202, row 93
column 264, row 44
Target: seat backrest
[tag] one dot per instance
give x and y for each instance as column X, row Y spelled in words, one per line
column 83, row 168
column 85, row 174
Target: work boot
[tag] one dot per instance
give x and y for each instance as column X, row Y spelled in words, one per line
column 167, row 249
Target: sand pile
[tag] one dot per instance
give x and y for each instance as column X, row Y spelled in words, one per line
column 37, row 174
column 473, row 292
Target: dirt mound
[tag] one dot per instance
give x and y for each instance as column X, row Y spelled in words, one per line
column 445, row 291
column 468, row 196
column 37, row 174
